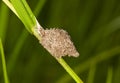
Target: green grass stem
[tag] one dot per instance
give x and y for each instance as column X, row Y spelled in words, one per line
column 4, row 16
column 39, row 7
column 69, row 70
column 3, row 62
column 109, row 75
column 91, row 74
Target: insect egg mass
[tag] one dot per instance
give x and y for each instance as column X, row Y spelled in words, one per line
column 58, row 43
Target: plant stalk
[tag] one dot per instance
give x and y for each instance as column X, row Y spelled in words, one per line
column 3, row 63
column 69, row 70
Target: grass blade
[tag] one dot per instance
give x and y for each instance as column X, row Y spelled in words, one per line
column 25, row 14
column 91, row 74
column 4, row 13
column 109, row 75
column 39, row 7
column 69, row 70
column 3, row 63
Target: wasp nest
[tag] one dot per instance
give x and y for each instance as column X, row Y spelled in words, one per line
column 58, row 43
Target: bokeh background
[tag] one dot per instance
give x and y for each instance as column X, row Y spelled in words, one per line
column 94, row 27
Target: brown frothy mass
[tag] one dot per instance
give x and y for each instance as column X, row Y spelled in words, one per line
column 58, row 43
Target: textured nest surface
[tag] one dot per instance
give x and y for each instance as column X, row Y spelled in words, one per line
column 58, row 43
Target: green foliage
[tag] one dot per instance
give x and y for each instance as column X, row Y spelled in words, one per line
column 94, row 26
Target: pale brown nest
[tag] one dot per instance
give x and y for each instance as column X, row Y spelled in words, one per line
column 58, row 43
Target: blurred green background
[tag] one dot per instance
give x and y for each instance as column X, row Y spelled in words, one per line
column 94, row 27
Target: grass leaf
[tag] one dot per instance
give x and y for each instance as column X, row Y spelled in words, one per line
column 3, row 63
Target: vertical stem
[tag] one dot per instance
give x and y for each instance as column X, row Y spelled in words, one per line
column 3, row 63
column 4, row 15
column 91, row 75
column 69, row 70
column 109, row 76
column 39, row 7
